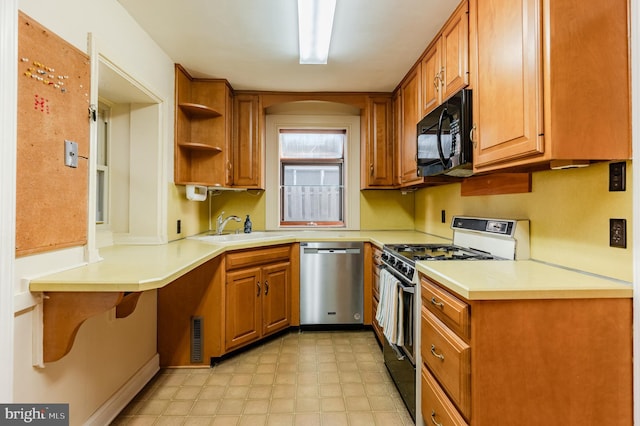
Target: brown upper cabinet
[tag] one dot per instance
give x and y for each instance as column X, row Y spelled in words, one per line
column 445, row 64
column 202, row 130
column 442, row 70
column 410, row 113
column 551, row 82
column 248, row 141
column 377, row 152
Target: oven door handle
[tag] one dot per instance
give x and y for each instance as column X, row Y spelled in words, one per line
column 407, row 289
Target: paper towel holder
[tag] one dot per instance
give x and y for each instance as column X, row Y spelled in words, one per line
column 196, row 192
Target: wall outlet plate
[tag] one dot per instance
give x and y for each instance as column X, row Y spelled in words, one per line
column 70, row 154
column 618, row 233
column 617, row 176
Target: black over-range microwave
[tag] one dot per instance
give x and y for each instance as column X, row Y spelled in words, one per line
column 444, row 140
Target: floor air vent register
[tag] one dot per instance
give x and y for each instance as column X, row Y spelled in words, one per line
column 196, row 339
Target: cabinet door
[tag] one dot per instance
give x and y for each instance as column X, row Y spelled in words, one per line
column 242, row 307
column 432, row 73
column 410, row 117
column 455, row 52
column 397, row 136
column 276, row 299
column 507, row 98
column 378, row 164
column 247, row 142
column 228, row 122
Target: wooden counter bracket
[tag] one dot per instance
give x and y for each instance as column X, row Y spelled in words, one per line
column 64, row 312
column 128, row 304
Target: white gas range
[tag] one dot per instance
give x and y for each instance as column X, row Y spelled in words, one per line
column 474, row 239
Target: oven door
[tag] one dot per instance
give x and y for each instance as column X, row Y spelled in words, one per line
column 404, row 349
column 400, row 359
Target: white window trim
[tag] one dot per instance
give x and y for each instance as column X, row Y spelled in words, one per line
column 351, row 156
column 106, row 226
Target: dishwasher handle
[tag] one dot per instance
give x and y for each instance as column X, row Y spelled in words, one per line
column 331, row 250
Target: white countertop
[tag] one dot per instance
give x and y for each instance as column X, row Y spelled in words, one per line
column 520, row 279
column 146, row 267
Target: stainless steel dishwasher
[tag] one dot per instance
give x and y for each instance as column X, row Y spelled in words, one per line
column 331, row 283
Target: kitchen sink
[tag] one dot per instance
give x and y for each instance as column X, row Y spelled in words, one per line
column 233, row 238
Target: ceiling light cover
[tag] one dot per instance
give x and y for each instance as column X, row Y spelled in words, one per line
column 315, row 22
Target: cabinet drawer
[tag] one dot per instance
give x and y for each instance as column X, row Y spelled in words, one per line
column 448, row 357
column 448, row 308
column 252, row 257
column 377, row 255
column 436, row 407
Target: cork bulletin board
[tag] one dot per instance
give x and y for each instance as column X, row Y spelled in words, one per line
column 53, row 106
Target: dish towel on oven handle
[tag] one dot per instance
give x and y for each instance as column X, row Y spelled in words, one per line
column 389, row 313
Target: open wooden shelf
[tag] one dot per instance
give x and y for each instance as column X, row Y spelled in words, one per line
column 202, row 138
column 197, row 146
column 198, row 110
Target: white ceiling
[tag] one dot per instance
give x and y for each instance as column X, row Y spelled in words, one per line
column 254, row 43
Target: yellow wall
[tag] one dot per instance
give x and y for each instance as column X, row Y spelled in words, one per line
column 568, row 210
column 378, row 210
column 192, row 214
column 385, row 209
column 241, row 204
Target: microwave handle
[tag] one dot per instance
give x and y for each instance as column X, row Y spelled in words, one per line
column 472, row 135
column 439, row 136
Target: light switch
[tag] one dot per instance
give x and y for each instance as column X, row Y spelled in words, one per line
column 70, row 154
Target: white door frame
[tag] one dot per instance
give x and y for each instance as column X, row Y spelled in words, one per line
column 8, row 149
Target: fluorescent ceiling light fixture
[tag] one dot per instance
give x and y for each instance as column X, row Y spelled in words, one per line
column 315, row 21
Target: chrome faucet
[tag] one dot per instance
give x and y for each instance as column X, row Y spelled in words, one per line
column 221, row 223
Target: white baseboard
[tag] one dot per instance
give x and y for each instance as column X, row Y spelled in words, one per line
column 114, row 405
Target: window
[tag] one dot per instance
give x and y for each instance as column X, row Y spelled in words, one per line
column 102, row 170
column 312, row 177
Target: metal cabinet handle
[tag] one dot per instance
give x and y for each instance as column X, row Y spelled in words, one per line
column 258, row 289
column 434, row 353
column 433, row 418
column 266, row 288
column 436, row 303
column 435, row 83
column 371, row 169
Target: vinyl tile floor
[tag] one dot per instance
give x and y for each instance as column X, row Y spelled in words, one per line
column 310, row 378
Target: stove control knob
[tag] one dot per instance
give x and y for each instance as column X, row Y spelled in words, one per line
column 409, row 273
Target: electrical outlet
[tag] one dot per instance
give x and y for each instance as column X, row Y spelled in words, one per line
column 617, row 176
column 618, row 233
column 70, row 154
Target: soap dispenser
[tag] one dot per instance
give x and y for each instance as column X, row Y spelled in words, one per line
column 247, row 225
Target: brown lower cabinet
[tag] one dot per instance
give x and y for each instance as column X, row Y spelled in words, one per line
column 376, row 261
column 228, row 302
column 256, row 303
column 525, row 362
